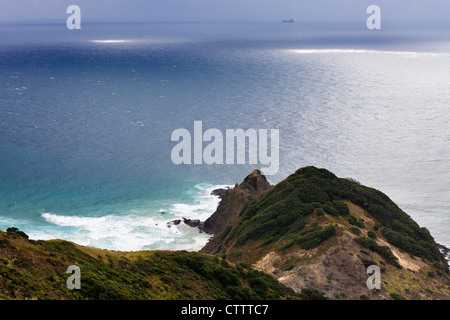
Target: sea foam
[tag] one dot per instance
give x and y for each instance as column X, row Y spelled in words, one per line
column 408, row 54
column 137, row 229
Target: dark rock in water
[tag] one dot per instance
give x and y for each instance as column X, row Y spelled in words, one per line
column 443, row 248
column 173, row 222
column 219, row 192
column 192, row 223
column 195, row 223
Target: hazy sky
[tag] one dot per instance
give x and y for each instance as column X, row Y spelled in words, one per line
column 224, row 10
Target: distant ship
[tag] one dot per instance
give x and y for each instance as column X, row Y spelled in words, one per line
column 290, row 20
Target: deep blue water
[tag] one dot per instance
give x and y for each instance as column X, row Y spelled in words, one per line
column 86, row 118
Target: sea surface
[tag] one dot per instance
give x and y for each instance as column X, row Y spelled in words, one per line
column 86, row 118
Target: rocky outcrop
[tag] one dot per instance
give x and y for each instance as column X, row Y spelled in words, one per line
column 446, row 252
column 233, row 200
column 193, row 223
column 219, row 192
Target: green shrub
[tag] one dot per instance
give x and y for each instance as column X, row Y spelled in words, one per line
column 315, row 238
column 364, row 252
column 310, row 294
column 368, row 263
column 353, row 221
column 355, row 230
column 383, row 251
column 16, row 232
column 329, row 209
column 372, row 235
column 225, row 277
column 367, row 243
column 396, row 296
column 341, row 207
column 417, row 247
column 320, row 212
column 239, row 293
column 287, row 267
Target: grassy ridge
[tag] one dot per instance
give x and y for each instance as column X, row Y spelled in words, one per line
column 37, row 270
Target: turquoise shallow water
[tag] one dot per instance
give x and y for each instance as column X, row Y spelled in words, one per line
column 86, row 120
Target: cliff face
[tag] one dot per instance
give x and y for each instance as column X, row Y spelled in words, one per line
column 233, row 200
column 316, row 231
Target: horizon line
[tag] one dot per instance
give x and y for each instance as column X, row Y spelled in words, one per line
column 108, row 21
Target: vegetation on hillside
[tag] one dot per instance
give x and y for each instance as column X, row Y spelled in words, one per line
column 282, row 212
column 309, row 209
column 37, row 270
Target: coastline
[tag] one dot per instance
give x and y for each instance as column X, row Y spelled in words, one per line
column 342, row 262
column 216, row 193
column 445, row 250
column 219, row 192
column 133, row 226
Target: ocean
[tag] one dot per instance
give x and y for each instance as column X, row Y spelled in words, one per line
column 86, row 118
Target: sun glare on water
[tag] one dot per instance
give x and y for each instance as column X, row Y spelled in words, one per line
column 110, row 41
